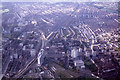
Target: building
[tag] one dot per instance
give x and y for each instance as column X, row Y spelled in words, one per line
column 79, row 64
column 32, row 52
column 41, row 57
column 74, row 52
column 87, row 54
column 80, row 50
column 15, row 56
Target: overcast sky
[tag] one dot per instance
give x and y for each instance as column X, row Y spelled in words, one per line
column 60, row 0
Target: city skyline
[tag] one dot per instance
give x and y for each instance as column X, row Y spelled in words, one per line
column 60, row 40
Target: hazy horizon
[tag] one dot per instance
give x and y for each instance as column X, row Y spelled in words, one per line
column 60, row 0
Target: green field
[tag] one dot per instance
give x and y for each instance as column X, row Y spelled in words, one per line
column 4, row 11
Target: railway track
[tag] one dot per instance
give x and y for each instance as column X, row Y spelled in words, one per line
column 26, row 68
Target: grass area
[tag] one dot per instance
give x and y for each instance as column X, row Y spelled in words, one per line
column 110, row 10
column 88, row 63
column 90, row 66
column 4, row 11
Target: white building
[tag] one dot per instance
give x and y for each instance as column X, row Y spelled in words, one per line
column 11, row 57
column 21, row 44
column 74, row 53
column 87, row 54
column 24, row 47
column 32, row 52
column 80, row 49
column 40, row 57
column 79, row 64
column 15, row 56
